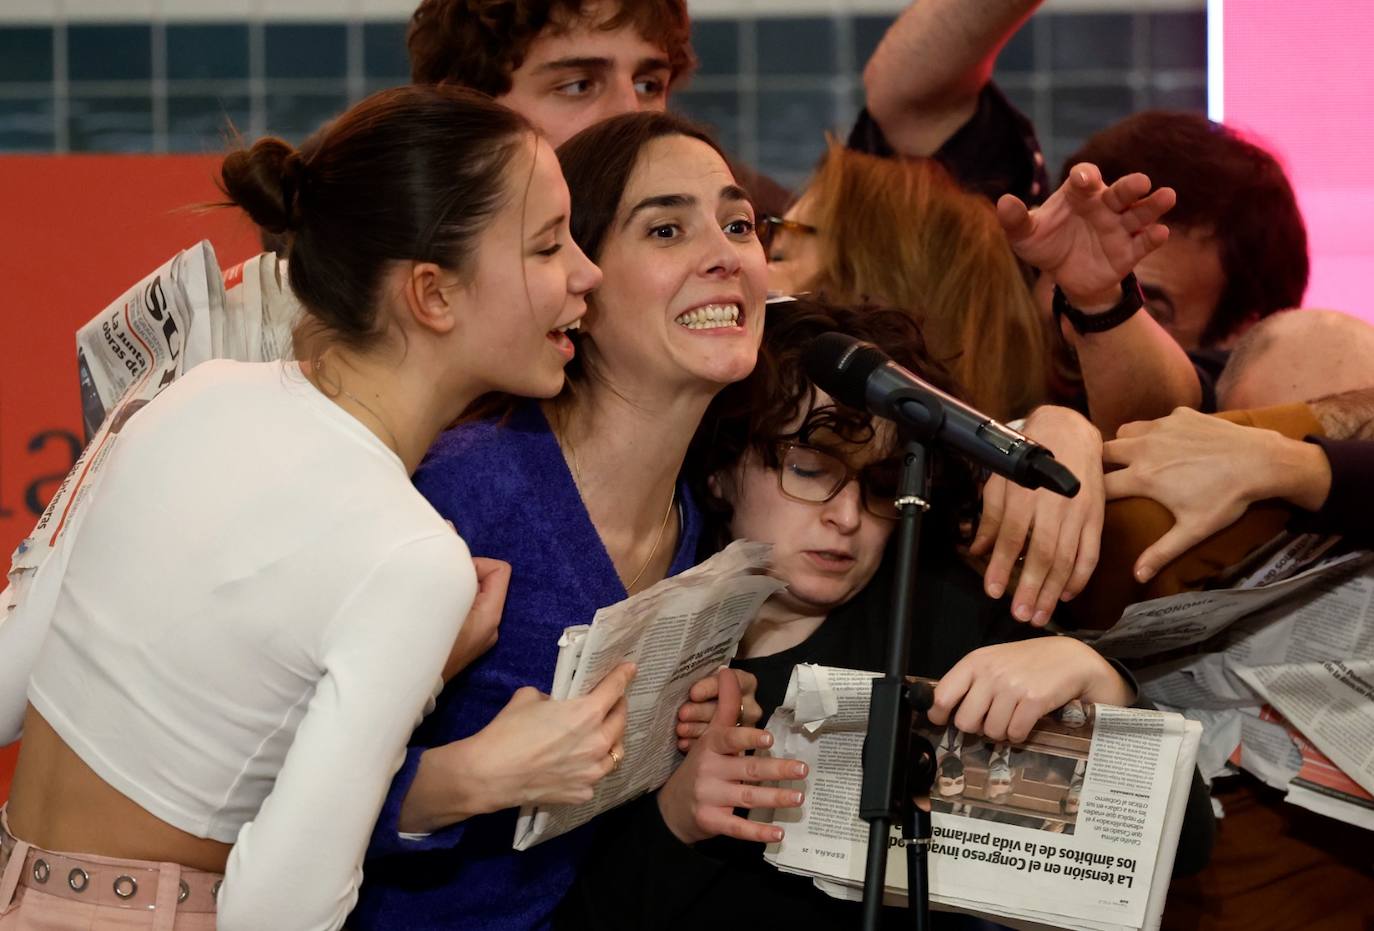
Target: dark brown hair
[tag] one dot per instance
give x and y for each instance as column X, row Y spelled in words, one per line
column 480, row 43
column 598, row 163
column 753, row 415
column 1227, row 187
column 412, row 173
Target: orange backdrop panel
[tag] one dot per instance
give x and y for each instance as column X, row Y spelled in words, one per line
column 75, row 232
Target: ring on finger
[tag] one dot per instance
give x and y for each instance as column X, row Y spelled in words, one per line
column 615, row 758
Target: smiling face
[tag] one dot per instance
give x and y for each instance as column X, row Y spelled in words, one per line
column 528, row 282
column 681, row 305
column 580, row 75
column 827, row 551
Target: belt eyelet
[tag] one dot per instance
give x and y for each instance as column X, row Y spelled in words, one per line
column 183, row 891
column 41, row 870
column 78, row 879
column 125, row 886
column 214, row 890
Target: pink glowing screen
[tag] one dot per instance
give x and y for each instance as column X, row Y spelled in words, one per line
column 1299, row 79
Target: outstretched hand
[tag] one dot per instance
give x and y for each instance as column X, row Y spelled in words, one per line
column 1089, row 235
column 1207, row 471
column 699, row 800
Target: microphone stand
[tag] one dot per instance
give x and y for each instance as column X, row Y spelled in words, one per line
column 899, row 766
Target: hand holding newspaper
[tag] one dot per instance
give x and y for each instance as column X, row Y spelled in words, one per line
column 1075, row 828
column 676, row 632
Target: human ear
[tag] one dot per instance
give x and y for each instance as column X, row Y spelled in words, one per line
column 430, row 294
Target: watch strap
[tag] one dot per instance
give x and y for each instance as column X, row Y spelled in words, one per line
column 1085, row 323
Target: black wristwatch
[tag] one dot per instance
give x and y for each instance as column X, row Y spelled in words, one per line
column 1085, row 323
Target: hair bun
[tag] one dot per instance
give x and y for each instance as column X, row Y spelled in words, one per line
column 266, row 181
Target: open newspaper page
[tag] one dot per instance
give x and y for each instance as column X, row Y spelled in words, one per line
column 1282, row 681
column 675, row 632
column 1074, row 828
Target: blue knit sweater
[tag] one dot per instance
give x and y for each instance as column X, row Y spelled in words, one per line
column 507, row 489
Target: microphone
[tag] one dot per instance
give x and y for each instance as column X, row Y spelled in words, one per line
column 861, row 375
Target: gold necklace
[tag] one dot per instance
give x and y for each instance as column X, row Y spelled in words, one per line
column 395, row 446
column 662, row 527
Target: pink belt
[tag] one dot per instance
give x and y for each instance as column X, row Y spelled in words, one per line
column 138, row 884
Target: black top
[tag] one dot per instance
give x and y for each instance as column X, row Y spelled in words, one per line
column 1208, row 363
column 640, row 875
column 996, row 152
column 1349, row 507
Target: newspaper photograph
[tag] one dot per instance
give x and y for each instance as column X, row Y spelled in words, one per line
column 1076, row 827
column 675, row 632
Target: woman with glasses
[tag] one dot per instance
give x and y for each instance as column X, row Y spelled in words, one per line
column 778, row 461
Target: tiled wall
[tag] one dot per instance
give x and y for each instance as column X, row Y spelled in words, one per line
column 769, row 84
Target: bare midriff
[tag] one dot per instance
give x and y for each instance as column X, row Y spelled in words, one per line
column 58, row 803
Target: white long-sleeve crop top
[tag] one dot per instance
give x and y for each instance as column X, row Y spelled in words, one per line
column 252, row 615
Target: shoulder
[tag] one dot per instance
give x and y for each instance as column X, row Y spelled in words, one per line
column 487, row 461
column 427, row 579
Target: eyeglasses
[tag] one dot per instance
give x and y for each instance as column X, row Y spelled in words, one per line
column 767, row 228
column 815, row 476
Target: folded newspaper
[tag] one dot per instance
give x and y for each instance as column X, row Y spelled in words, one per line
column 675, row 632
column 1074, row 828
column 168, row 322
column 1279, row 669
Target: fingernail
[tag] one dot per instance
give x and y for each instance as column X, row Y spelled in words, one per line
column 795, row 798
column 1022, row 612
column 799, row 771
column 766, row 740
column 1040, row 617
column 776, row 834
column 995, row 589
column 1144, row 573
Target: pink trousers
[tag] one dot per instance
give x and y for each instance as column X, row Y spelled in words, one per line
column 42, row 890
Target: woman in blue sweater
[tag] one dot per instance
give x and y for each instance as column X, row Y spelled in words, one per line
column 581, row 496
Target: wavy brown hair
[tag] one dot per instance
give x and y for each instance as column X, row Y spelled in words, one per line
column 479, row 43
column 754, row 415
column 902, row 232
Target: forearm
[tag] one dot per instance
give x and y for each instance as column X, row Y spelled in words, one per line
column 445, row 791
column 923, row 80
column 1134, row 371
column 1297, row 472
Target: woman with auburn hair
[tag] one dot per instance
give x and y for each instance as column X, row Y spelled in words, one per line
column 216, row 677
column 904, row 233
column 901, row 232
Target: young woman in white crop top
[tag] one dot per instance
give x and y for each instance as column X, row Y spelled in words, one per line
column 257, row 605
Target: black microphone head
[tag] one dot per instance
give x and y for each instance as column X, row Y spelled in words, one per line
column 1048, row 472
column 840, row 365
